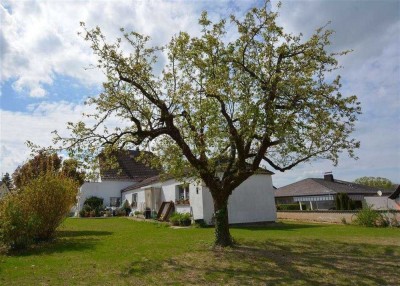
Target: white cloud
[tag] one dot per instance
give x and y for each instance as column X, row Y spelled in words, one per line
column 39, row 38
column 35, row 125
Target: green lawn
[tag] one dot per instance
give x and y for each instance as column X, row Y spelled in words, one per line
column 119, row 251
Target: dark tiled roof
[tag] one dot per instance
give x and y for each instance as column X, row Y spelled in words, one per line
column 262, row 170
column 395, row 194
column 146, row 182
column 315, row 187
column 128, row 168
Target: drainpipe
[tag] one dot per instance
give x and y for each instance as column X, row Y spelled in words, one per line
column 301, row 208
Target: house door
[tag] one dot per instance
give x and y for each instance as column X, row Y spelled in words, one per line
column 152, row 198
column 148, row 198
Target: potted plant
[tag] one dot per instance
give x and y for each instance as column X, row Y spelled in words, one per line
column 185, row 219
column 174, row 219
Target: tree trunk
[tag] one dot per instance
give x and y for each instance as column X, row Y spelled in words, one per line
column 222, row 235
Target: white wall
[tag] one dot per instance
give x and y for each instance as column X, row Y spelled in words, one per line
column 208, row 205
column 196, row 200
column 169, row 193
column 104, row 189
column 141, row 206
column 382, row 203
column 168, row 190
column 252, row 201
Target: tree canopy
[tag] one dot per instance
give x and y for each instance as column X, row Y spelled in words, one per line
column 241, row 93
column 45, row 162
column 6, row 179
column 376, row 182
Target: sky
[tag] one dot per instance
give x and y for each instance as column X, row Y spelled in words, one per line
column 45, row 75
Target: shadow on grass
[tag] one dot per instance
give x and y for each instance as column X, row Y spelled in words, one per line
column 64, row 241
column 80, row 233
column 276, row 226
column 311, row 262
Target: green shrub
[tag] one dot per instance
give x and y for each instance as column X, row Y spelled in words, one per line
column 175, row 218
column 185, row 219
column 82, row 213
column 120, row 212
column 37, row 210
column 200, row 223
column 17, row 229
column 94, row 203
column 343, row 202
column 290, row 207
column 368, row 217
column 92, row 207
column 50, row 198
column 85, row 212
column 126, row 207
column 182, row 219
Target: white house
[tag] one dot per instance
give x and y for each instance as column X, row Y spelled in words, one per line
column 112, row 181
column 253, row 201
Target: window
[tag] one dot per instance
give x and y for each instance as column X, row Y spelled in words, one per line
column 134, row 200
column 183, row 192
column 115, row 202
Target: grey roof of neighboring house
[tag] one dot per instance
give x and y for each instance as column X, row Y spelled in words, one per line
column 128, row 168
column 317, row 187
column 395, row 194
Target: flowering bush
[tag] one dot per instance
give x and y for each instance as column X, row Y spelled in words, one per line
column 36, row 211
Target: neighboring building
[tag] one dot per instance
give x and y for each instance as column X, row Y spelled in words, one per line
column 3, row 189
column 318, row 193
column 253, row 201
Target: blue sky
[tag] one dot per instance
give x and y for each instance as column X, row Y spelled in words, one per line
column 44, row 81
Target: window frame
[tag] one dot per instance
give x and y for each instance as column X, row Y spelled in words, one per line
column 117, row 200
column 183, row 192
column 134, row 200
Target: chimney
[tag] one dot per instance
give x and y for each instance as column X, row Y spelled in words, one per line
column 328, row 176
